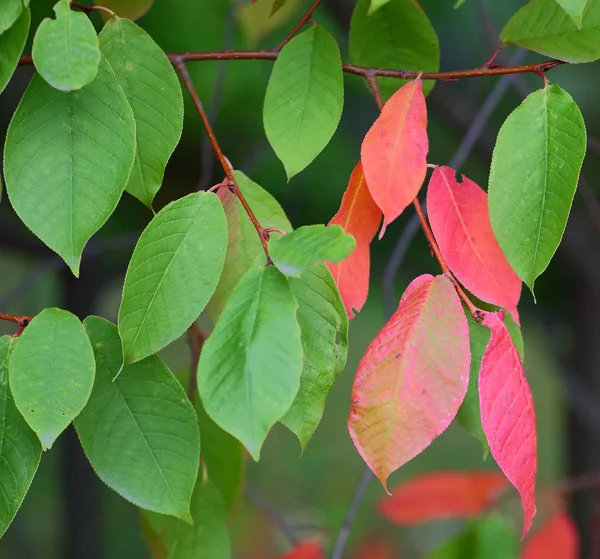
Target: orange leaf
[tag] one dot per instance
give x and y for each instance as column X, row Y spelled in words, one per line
column 376, row 548
column 394, row 152
column 558, row 538
column 412, row 378
column 508, row 415
column 306, row 550
column 359, row 216
column 441, row 495
column 460, row 220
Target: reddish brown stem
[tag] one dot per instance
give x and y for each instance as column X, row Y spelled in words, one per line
column 303, row 21
column 359, row 70
column 231, row 183
column 89, row 9
column 17, row 319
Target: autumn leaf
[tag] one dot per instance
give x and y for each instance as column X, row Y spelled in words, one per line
column 558, row 538
column 359, row 216
column 508, row 415
column 460, row 220
column 306, row 550
column 377, row 547
column 394, row 152
column 439, row 495
column 412, row 378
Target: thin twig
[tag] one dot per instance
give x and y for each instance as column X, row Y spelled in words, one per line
column 17, row 319
column 89, row 9
column 357, row 498
column 232, row 184
column 273, row 514
column 303, row 21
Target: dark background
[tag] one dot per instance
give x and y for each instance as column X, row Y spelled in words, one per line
column 69, row 514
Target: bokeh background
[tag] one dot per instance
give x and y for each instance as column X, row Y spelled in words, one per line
column 70, row 514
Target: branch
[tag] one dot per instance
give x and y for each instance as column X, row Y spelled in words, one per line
column 363, row 71
column 90, row 9
column 231, row 183
column 303, row 20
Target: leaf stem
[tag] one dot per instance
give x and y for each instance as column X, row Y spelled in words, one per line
column 231, row 183
column 89, row 9
column 303, row 20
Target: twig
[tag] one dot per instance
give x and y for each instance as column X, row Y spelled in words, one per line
column 89, row 9
column 303, row 21
column 362, row 71
column 273, row 514
column 359, row 493
column 233, row 187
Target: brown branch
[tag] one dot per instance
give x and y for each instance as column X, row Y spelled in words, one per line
column 362, row 71
column 89, row 9
column 20, row 321
column 303, row 21
column 231, row 183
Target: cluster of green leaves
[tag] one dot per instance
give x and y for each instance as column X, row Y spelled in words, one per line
column 101, row 117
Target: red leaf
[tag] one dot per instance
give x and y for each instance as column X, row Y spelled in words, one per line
column 508, row 415
column 558, row 538
column 412, row 378
column 359, row 216
column 442, row 495
column 306, row 550
column 394, row 151
column 460, row 220
column 376, row 548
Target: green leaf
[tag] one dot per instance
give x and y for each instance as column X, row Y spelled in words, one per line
column 51, row 373
column 65, row 51
column 20, row 450
column 375, row 5
column 139, row 431
column 304, row 99
column 534, row 173
column 397, row 36
column 173, row 273
column 277, row 5
column 153, row 91
column 209, row 536
column 489, row 537
column 295, row 252
column 244, row 245
column 565, row 30
column 324, row 330
column 223, row 457
column 249, row 370
column 10, row 10
column 67, row 160
column 12, row 43
column 131, row 9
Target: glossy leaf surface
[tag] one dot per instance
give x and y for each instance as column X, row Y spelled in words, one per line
column 508, row 415
column 560, row 29
column 360, row 217
column 173, row 273
column 442, row 494
column 67, row 160
column 243, row 244
column 51, row 372
column 532, row 183
column 299, row 250
column 248, row 390
column 139, row 430
column 66, row 52
column 398, row 35
column 20, row 449
column 394, row 152
column 324, row 332
column 153, row 91
column 12, row 42
column 412, row 378
column 459, row 218
column 10, row 11
column 304, row 99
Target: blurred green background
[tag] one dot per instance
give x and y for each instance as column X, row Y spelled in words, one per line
column 70, row 514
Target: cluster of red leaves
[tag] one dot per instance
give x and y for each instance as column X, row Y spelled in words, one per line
column 414, row 376
column 463, row 495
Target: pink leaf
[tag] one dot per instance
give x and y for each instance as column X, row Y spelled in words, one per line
column 558, row 538
column 441, row 495
column 412, row 378
column 394, row 152
column 306, row 550
column 460, row 220
column 359, row 216
column 508, row 415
